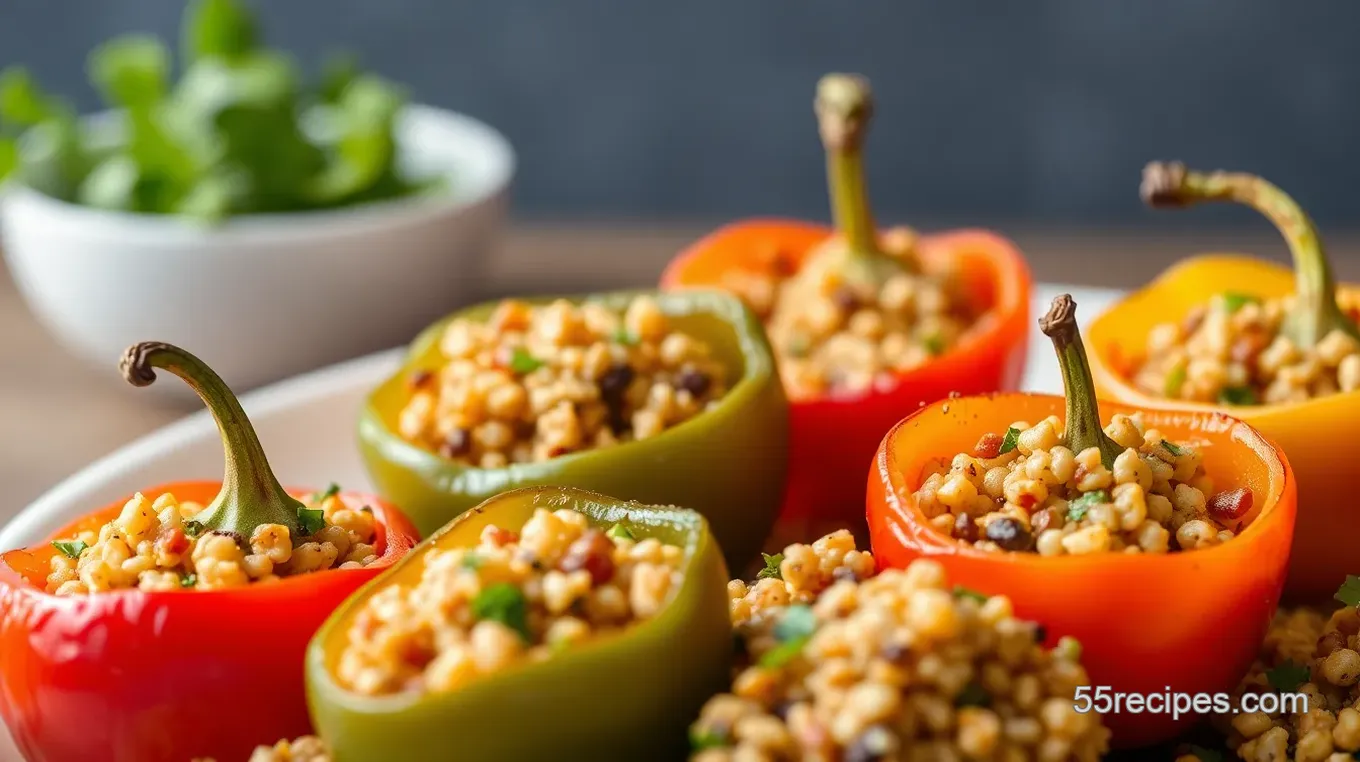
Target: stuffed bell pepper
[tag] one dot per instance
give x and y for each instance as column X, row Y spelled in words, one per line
column 1274, row 347
column 1160, row 540
column 546, row 623
column 866, row 325
column 660, row 398
column 173, row 625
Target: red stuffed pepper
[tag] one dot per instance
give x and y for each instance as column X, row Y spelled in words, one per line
column 867, row 325
column 172, row 626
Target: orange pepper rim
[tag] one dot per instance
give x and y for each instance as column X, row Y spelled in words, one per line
column 901, row 500
column 391, row 551
column 1007, row 278
column 1107, row 355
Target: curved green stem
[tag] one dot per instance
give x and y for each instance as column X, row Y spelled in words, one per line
column 250, row 494
column 1315, row 312
column 844, row 105
column 1083, row 412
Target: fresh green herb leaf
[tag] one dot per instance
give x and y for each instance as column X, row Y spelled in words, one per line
column 1171, row 447
column 71, row 548
column 338, row 71
column 1076, row 510
column 934, row 344
column 771, row 570
column 699, row 740
column 1206, row 755
column 505, row 603
column 1237, row 395
column 1232, row 301
column 472, row 561
column 217, row 29
column 783, row 653
column 797, row 622
column 1349, row 592
column 131, row 71
column 1010, row 441
column 311, row 520
column 331, row 491
column 973, row 694
column 1287, row 676
column 22, row 102
column 963, row 592
column 193, row 528
column 622, row 336
column 521, row 362
column 1174, row 381
column 188, row 580
column 9, row 156
column 619, row 532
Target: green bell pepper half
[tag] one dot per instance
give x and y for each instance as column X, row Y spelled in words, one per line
column 625, row 696
column 729, row 463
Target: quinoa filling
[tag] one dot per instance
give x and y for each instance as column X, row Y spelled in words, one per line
column 157, row 545
column 1025, row 491
column 515, row 597
column 535, row 383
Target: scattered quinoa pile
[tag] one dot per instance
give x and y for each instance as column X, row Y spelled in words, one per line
column 1025, row 491
column 515, row 597
column 831, row 337
column 1231, row 351
column 892, row 666
column 157, row 545
column 1316, row 653
column 534, row 383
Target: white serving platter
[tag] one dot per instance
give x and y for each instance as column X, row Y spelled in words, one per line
column 306, row 424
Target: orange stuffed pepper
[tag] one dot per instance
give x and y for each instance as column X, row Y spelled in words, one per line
column 1159, row 541
column 1274, row 347
column 866, row 325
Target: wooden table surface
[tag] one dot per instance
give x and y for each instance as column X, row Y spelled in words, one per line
column 57, row 415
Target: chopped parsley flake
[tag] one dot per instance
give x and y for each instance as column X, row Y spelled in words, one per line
column 963, row 592
column 71, row 548
column 505, row 603
column 1349, row 592
column 1076, row 510
column 771, row 570
column 311, row 521
column 1010, row 441
column 1287, row 676
column 521, row 362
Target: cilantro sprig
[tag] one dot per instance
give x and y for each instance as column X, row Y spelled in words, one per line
column 771, row 570
column 505, row 603
column 1010, row 441
column 71, row 548
column 1349, row 592
column 1287, row 676
column 1077, row 509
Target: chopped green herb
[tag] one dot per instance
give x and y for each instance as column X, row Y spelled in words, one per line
column 193, row 528
column 1287, row 676
column 973, row 694
column 1232, row 302
column 1174, row 381
column 505, row 603
column 71, row 548
column 1206, row 755
column 1171, row 447
column 330, row 492
column 620, row 532
column 783, row 653
column 471, row 561
column 1349, row 592
column 771, row 570
column 1076, row 510
column 1010, row 441
column 622, row 336
column 188, row 580
column 934, row 344
column 521, row 362
column 963, row 592
column 700, row 740
column 311, row 520
column 1237, row 395
column 797, row 622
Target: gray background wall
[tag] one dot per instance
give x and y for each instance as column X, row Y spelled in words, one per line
column 1040, row 111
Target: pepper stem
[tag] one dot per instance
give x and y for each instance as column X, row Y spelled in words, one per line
column 844, row 106
column 1315, row 312
column 250, row 496
column 1083, row 412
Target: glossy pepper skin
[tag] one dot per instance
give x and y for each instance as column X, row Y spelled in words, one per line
column 728, row 463
column 1317, row 434
column 834, row 436
column 1189, row 622
column 149, row 676
column 628, row 696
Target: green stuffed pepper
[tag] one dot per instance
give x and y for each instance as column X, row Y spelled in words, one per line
column 546, row 623
column 669, row 398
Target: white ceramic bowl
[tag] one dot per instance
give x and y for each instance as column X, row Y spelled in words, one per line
column 264, row 297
